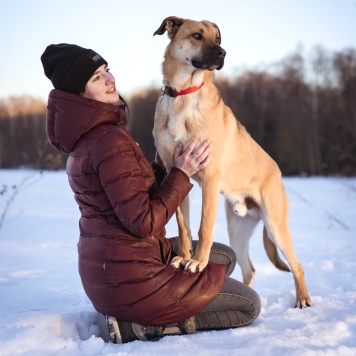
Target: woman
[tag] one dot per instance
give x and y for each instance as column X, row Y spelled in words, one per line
column 125, row 203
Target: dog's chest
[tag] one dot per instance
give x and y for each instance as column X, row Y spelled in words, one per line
column 182, row 115
column 177, row 127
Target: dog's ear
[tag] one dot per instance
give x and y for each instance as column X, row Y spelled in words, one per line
column 171, row 24
column 218, row 33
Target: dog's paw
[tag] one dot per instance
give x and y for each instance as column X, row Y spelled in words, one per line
column 194, row 266
column 303, row 303
column 177, row 262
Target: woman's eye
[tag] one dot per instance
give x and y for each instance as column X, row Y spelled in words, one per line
column 197, row 36
column 97, row 78
column 108, row 69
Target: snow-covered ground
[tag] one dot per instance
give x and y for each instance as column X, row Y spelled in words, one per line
column 44, row 311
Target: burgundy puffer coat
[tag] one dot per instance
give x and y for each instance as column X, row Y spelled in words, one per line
column 123, row 253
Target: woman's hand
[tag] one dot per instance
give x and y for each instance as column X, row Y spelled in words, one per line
column 190, row 160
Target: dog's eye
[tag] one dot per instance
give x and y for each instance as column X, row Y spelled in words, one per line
column 218, row 40
column 198, row 36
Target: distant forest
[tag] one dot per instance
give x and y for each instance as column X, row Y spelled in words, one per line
column 302, row 111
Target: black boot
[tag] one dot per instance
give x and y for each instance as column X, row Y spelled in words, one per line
column 154, row 333
column 120, row 332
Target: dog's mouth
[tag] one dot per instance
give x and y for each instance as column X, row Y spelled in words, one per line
column 211, row 60
column 210, row 67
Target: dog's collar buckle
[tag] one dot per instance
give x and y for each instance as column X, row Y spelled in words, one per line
column 169, row 91
column 174, row 93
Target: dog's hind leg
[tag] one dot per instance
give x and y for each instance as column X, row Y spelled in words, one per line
column 240, row 230
column 274, row 209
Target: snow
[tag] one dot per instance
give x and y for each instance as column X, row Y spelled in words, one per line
column 44, row 310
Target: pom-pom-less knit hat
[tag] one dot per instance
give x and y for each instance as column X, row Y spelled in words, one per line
column 69, row 67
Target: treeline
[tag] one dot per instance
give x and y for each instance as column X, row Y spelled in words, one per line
column 301, row 111
column 23, row 141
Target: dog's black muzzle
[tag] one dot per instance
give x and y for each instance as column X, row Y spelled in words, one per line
column 212, row 58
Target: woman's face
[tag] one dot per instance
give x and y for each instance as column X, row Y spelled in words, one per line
column 101, row 86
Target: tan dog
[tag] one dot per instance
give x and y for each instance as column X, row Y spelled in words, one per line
column 240, row 169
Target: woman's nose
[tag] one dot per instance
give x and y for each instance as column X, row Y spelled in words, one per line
column 109, row 78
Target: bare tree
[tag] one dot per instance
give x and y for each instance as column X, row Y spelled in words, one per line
column 9, row 193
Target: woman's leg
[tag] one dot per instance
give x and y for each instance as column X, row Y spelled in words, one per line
column 236, row 305
column 223, row 255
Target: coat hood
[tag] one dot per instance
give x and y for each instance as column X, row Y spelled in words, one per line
column 69, row 116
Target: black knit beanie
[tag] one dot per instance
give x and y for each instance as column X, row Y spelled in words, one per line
column 69, row 67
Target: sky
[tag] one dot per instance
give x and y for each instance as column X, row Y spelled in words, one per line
column 44, row 310
column 255, row 34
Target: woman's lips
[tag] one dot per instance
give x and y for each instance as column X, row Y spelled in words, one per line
column 111, row 91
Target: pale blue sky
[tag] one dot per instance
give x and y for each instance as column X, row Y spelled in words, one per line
column 254, row 33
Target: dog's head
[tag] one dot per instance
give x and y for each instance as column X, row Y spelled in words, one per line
column 194, row 42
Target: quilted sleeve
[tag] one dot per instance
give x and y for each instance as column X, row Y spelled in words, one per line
column 121, row 176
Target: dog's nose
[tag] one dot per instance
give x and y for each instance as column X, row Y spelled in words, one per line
column 219, row 52
column 222, row 53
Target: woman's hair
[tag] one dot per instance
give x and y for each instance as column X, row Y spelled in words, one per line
column 125, row 106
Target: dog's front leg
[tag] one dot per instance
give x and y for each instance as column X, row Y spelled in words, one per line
column 210, row 199
column 185, row 236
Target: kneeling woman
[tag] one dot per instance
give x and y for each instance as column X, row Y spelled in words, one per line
column 125, row 203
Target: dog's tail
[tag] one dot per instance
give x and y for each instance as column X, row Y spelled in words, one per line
column 272, row 252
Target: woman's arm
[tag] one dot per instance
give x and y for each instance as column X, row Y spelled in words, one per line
column 121, row 176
